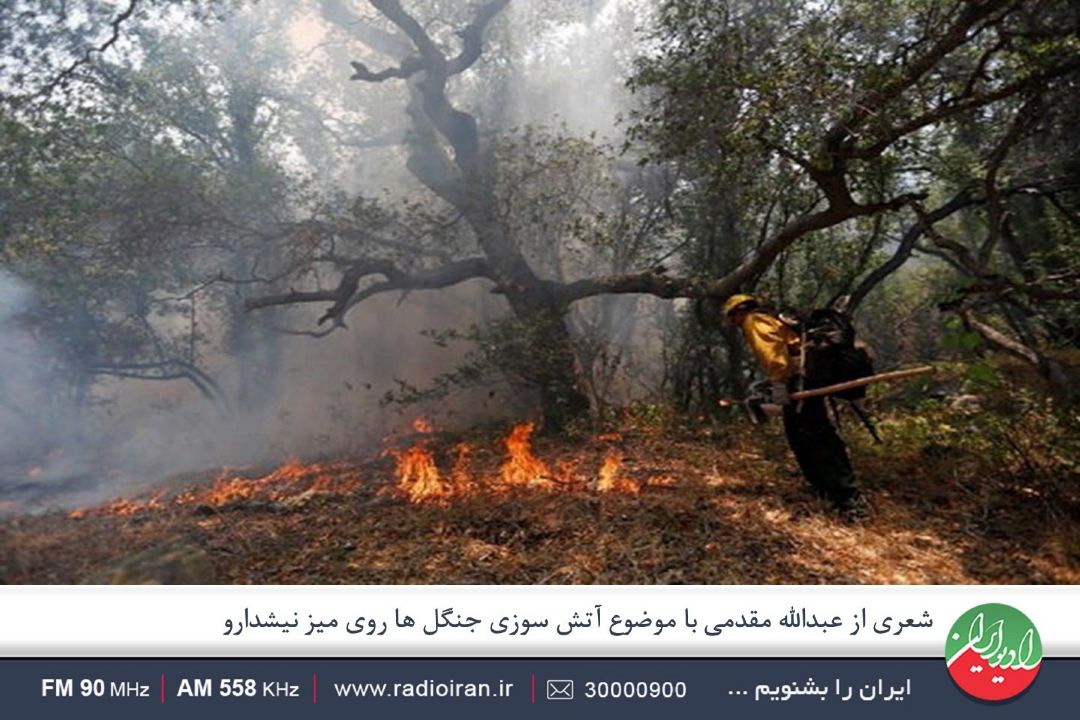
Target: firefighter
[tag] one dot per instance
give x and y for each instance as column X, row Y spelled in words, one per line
column 818, row 448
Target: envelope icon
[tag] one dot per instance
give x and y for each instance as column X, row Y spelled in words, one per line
column 560, row 689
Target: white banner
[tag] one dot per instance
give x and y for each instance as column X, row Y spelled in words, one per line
column 494, row 621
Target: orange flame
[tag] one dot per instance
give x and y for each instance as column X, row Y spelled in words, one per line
column 610, row 480
column 522, row 467
column 282, row 483
column 290, row 481
column 124, row 507
column 661, row 481
column 418, row 475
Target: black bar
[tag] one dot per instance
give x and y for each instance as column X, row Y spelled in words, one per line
column 500, row 688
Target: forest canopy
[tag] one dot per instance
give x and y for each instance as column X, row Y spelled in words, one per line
column 543, row 203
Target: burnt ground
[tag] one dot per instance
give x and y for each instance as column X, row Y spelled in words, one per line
column 715, row 506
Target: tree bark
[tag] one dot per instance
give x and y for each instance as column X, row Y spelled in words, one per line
column 1048, row 368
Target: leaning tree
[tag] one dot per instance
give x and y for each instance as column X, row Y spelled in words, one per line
column 832, row 98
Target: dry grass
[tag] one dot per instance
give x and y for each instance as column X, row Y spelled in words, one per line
column 712, row 509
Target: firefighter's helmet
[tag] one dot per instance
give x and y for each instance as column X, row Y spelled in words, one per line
column 739, row 303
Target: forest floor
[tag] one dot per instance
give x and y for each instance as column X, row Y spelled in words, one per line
column 687, row 504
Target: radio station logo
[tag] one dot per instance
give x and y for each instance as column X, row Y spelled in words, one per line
column 993, row 652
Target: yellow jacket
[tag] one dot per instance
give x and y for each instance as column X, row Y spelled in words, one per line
column 775, row 344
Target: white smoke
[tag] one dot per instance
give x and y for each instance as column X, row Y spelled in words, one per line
column 20, row 375
column 123, row 434
column 575, row 73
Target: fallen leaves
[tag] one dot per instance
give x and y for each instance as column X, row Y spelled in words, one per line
column 703, row 514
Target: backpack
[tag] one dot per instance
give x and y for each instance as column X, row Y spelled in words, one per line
column 832, row 353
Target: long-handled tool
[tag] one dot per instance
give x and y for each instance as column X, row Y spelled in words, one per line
column 868, row 380
column 757, row 414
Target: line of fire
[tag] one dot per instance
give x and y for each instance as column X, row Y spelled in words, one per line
column 416, row 477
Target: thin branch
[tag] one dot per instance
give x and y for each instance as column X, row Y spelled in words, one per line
column 1050, row 369
column 870, row 102
column 787, row 153
column 955, row 107
column 387, row 43
column 1025, row 117
column 434, row 60
column 409, row 67
column 348, row 293
column 907, row 244
column 473, row 37
column 167, row 370
column 87, row 57
column 1051, row 197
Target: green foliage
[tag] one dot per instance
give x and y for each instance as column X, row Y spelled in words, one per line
column 983, row 374
column 119, row 217
column 741, row 96
column 188, row 152
column 518, row 352
column 1006, row 435
column 958, row 339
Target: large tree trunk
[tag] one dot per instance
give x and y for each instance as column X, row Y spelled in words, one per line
column 449, row 156
column 546, row 361
column 465, row 182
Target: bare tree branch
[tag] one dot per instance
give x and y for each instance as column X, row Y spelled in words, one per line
column 1050, row 369
column 459, row 128
column 348, row 293
column 392, row 45
column 472, row 37
column 667, row 287
column 956, row 107
column 872, row 100
column 433, row 58
column 1025, row 117
column 907, row 244
column 87, row 57
column 409, row 67
column 167, row 370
